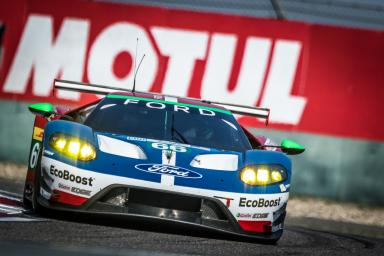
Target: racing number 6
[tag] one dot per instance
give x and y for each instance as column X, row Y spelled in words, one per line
column 34, row 155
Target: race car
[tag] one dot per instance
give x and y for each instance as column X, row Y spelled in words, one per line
column 162, row 158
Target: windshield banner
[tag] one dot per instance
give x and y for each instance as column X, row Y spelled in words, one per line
column 314, row 78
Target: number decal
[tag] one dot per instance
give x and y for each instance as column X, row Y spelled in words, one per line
column 164, row 146
column 34, row 155
column 178, row 148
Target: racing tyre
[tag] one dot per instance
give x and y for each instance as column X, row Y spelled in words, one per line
column 36, row 206
column 26, row 202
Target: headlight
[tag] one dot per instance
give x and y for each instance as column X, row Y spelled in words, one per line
column 261, row 175
column 72, row 147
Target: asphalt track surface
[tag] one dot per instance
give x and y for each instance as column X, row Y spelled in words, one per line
column 22, row 233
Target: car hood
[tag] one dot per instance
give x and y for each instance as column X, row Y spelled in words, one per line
column 167, row 162
column 151, row 151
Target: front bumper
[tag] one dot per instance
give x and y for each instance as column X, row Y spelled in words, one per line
column 137, row 203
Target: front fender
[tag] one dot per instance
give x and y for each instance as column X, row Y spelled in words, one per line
column 267, row 157
column 69, row 128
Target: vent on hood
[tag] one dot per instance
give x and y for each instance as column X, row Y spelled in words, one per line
column 120, row 148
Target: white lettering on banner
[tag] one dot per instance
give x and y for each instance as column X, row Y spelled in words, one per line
column 277, row 96
column 48, row 58
column 252, row 72
column 219, row 64
column 183, row 48
column 117, row 38
column 64, row 56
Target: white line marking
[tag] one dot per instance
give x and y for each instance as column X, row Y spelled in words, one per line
column 4, row 207
column 10, row 212
column 17, row 219
column 9, row 195
column 168, row 180
column 107, row 106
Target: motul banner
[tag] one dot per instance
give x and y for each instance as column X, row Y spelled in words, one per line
column 314, row 78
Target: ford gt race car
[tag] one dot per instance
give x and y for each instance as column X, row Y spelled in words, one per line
column 152, row 156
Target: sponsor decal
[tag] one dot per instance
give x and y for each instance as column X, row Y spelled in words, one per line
column 38, row 133
column 34, row 155
column 252, row 215
column 169, row 170
column 81, row 191
column 187, row 59
column 66, row 175
column 136, row 139
column 260, row 215
column 48, row 153
column 64, row 187
column 244, row 215
column 227, row 200
column 261, row 202
column 169, row 106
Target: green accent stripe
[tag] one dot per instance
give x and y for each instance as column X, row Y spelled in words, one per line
column 116, row 96
column 44, row 107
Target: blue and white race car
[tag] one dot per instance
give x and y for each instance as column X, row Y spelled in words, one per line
column 151, row 156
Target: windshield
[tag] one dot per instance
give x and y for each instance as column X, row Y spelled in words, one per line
column 172, row 121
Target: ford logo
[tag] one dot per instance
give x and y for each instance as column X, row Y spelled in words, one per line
column 169, row 170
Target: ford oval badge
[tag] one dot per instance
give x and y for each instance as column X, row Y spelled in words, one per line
column 169, row 170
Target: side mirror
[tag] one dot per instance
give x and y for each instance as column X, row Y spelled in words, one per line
column 291, row 148
column 42, row 109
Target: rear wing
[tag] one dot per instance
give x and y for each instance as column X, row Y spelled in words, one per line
column 104, row 90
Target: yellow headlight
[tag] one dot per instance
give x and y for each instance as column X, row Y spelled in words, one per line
column 248, row 176
column 60, row 143
column 276, row 176
column 87, row 152
column 73, row 147
column 261, row 175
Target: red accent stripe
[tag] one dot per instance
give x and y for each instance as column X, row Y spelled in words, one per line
column 10, row 202
column 66, row 198
column 256, row 226
column 40, row 122
column 31, row 176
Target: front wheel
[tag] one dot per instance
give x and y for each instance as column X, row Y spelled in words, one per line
column 26, row 202
column 36, row 206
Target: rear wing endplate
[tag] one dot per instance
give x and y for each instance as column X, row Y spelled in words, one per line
column 104, row 90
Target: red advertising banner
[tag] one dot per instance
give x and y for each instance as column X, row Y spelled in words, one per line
column 314, row 78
